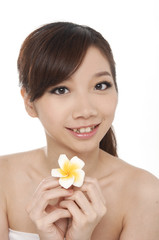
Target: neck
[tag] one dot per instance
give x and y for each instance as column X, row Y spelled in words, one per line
column 91, row 159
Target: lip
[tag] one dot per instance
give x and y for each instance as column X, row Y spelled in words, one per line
column 84, row 135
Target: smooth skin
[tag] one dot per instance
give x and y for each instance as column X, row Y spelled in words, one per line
column 117, row 201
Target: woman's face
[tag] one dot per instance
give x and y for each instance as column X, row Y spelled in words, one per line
column 78, row 112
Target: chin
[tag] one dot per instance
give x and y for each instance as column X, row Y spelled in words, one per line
column 85, row 148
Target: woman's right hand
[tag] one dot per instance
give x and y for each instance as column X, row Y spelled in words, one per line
column 44, row 211
column 87, row 206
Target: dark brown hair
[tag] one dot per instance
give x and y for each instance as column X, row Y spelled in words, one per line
column 52, row 53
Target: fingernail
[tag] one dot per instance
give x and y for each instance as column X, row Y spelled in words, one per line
column 70, row 191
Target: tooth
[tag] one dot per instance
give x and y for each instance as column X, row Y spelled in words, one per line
column 88, row 129
column 82, row 130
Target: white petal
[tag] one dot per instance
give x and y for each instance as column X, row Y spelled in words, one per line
column 56, row 172
column 80, row 163
column 62, row 160
column 66, row 182
column 79, row 178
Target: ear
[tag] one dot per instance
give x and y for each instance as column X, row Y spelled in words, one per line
column 29, row 106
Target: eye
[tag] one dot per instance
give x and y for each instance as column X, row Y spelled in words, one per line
column 59, row 90
column 103, row 86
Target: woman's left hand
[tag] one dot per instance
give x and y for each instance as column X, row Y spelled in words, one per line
column 87, row 207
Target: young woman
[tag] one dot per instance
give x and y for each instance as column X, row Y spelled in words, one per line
column 68, row 81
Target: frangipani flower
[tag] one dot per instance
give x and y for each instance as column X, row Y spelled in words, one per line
column 70, row 171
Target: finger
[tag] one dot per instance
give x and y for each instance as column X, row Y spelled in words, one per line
column 92, row 193
column 82, row 202
column 55, row 193
column 47, row 222
column 93, row 184
column 36, row 209
column 45, row 184
column 96, row 201
column 57, row 214
column 73, row 209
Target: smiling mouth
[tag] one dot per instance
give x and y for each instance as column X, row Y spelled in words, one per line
column 84, row 130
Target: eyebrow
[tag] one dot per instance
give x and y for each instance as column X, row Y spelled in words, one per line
column 98, row 74
column 104, row 73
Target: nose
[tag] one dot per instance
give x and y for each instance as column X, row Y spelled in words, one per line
column 84, row 107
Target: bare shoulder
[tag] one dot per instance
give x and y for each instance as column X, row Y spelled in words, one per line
column 16, row 174
column 131, row 184
column 141, row 183
column 3, row 201
column 17, row 168
column 141, row 204
column 138, row 184
column 12, row 162
column 132, row 199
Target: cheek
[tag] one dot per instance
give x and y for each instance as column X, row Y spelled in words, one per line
column 108, row 107
column 51, row 114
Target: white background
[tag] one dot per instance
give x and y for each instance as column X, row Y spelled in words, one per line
column 132, row 29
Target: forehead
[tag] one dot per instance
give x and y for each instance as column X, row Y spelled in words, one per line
column 94, row 62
